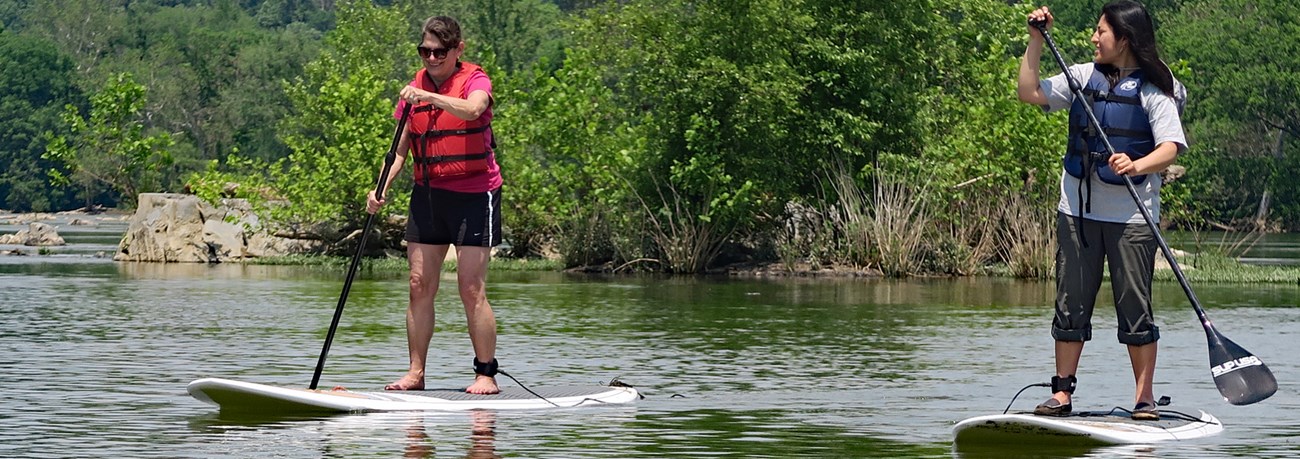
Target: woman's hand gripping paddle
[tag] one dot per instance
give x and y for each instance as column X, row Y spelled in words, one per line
column 389, row 158
column 1241, row 377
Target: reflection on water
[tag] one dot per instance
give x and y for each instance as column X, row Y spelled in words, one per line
column 94, row 358
column 470, row 434
column 482, row 437
column 1040, row 452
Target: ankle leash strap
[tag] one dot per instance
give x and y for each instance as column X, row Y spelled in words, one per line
column 1066, row 384
column 486, row 369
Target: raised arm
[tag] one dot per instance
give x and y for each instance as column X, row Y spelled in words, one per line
column 1027, row 84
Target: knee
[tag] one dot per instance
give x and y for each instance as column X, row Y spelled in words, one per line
column 472, row 293
column 422, row 285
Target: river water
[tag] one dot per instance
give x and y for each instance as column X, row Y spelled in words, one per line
column 95, row 356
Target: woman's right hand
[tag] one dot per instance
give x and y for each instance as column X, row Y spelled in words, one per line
column 1040, row 14
column 373, row 204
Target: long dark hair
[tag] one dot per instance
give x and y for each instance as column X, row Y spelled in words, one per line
column 1130, row 21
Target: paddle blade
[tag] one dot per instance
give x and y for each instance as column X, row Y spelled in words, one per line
column 1242, row 378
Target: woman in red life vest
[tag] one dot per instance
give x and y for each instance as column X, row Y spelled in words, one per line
column 456, row 200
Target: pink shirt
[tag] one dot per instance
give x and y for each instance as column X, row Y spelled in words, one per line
column 470, row 183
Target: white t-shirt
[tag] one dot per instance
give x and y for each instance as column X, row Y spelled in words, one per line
column 1113, row 203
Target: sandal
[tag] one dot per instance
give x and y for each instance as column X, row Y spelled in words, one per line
column 1053, row 407
column 1145, row 412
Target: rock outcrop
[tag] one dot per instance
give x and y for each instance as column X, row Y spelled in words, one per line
column 168, row 227
column 36, row 234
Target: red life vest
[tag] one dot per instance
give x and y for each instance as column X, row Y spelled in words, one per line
column 445, row 145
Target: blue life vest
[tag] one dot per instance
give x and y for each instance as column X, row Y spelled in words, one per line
column 1125, row 122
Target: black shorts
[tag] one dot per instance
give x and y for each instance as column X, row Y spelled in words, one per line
column 441, row 217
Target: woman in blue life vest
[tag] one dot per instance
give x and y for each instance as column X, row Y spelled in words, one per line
column 1137, row 100
column 456, row 200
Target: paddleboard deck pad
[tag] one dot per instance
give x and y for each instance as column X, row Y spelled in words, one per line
column 1083, row 428
column 247, row 397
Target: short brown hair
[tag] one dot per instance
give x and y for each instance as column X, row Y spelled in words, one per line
column 444, row 28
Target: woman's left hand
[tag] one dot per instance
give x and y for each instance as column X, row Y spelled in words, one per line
column 1122, row 164
column 414, row 96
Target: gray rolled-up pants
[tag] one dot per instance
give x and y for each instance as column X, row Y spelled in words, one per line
column 1130, row 250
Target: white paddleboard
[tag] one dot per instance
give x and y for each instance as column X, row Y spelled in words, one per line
column 1083, row 428
column 246, row 397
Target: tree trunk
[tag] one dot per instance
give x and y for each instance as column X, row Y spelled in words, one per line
column 1261, row 216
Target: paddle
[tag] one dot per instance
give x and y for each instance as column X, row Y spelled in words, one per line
column 361, row 245
column 1241, row 377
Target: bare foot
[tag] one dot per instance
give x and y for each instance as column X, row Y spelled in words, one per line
column 408, row 382
column 483, row 385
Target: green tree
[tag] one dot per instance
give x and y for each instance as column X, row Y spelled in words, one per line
column 224, row 88
column 280, row 13
column 343, row 122
column 88, row 30
column 562, row 144
column 111, row 150
column 215, row 77
column 38, row 81
column 977, row 131
column 11, row 11
column 1244, row 103
column 518, row 33
column 710, row 116
column 1083, row 14
column 709, row 90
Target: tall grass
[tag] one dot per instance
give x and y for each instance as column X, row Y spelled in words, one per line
column 1027, row 241
column 967, row 237
column 804, row 236
column 686, row 238
column 900, row 221
column 1212, row 268
column 849, row 218
column 584, row 238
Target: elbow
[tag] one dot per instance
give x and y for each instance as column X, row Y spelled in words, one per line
column 1027, row 95
column 472, row 114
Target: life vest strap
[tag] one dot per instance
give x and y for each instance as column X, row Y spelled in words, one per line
column 1109, row 97
column 425, row 160
column 446, row 132
column 1090, row 131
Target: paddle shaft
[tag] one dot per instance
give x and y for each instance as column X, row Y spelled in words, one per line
column 389, row 158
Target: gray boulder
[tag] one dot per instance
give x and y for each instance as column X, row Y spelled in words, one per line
column 169, row 227
column 36, row 234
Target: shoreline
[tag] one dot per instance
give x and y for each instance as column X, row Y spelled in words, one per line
column 100, row 225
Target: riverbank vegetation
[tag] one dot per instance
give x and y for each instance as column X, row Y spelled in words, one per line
column 670, row 136
column 399, row 264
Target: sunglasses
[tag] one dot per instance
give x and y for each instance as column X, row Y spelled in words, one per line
column 439, row 53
